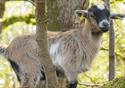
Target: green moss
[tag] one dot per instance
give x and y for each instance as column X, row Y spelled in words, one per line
column 116, row 83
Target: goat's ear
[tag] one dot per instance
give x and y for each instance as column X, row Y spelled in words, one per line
column 80, row 13
column 117, row 16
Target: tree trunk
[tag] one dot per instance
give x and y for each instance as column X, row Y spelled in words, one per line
column 60, row 13
column 111, row 47
column 41, row 32
column 111, row 53
column 2, row 8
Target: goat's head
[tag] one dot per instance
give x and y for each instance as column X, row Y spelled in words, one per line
column 98, row 16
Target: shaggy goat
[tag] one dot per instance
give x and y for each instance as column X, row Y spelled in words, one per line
column 72, row 52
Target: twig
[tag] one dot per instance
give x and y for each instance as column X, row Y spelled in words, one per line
column 91, row 85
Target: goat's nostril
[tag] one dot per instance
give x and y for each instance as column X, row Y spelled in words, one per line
column 105, row 24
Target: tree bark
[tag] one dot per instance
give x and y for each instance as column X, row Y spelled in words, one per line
column 41, row 32
column 111, row 53
column 60, row 13
column 111, row 47
column 2, row 8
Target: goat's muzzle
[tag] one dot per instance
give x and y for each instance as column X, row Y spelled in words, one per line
column 104, row 25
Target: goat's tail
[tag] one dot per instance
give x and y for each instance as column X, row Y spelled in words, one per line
column 3, row 51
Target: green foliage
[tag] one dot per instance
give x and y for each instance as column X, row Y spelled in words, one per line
column 7, row 76
column 116, row 83
column 28, row 18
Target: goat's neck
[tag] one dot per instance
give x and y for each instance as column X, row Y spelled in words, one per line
column 88, row 31
column 92, row 39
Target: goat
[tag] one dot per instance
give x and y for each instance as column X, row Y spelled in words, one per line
column 71, row 52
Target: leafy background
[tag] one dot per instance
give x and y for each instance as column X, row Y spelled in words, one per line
column 98, row 73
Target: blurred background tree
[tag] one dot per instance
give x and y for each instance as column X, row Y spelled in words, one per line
column 19, row 19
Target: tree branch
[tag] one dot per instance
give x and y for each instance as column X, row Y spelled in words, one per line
column 90, row 85
column 26, row 18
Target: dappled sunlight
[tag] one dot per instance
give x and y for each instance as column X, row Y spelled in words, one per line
column 7, row 75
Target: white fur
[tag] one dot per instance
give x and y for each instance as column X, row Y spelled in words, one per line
column 101, row 7
column 54, row 52
column 101, row 23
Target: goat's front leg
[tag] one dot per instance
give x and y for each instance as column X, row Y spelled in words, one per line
column 72, row 85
